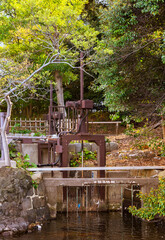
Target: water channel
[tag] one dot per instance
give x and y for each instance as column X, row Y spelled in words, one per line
column 97, row 226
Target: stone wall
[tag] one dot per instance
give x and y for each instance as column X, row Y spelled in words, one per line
column 20, row 203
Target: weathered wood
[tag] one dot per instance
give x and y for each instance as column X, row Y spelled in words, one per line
column 21, row 136
column 42, row 125
column 154, row 126
column 163, row 127
column 109, row 122
column 30, row 124
column 52, row 182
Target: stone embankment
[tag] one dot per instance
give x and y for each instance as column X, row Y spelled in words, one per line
column 20, row 203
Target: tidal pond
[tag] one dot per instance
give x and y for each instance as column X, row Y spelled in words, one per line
column 97, row 226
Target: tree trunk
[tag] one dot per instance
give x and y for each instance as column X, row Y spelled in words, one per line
column 3, row 132
column 59, row 88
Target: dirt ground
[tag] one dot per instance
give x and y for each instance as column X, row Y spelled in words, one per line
column 135, row 151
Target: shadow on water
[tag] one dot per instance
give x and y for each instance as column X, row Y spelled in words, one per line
column 97, row 226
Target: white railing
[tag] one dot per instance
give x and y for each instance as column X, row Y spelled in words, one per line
column 56, row 169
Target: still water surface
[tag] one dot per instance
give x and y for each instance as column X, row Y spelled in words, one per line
column 97, row 226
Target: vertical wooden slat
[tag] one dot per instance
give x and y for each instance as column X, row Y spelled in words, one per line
column 117, row 129
column 163, row 128
column 20, row 122
column 25, row 123
column 30, row 124
column 35, row 125
column 40, row 125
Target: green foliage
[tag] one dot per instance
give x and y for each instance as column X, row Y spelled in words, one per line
column 17, row 129
column 77, row 157
column 12, row 150
column 38, row 134
column 39, row 32
column 131, row 52
column 23, row 161
column 107, row 140
column 148, row 6
column 132, row 131
column 12, row 154
column 145, row 142
column 153, row 203
column 35, row 184
column 157, row 145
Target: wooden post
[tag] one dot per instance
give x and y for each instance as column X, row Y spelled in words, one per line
column 30, row 124
column 20, row 122
column 117, row 129
column 25, row 123
column 40, row 125
column 163, row 127
column 35, row 124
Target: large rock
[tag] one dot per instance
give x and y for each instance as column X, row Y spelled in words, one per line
column 12, row 225
column 161, row 174
column 20, row 203
column 94, row 147
column 113, row 146
column 137, row 154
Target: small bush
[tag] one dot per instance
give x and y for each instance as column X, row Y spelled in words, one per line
column 77, row 157
column 23, row 161
column 153, row 203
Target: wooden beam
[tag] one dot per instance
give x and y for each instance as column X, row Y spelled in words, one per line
column 52, row 182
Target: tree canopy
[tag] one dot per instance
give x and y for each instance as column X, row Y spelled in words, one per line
column 46, row 35
column 124, row 42
column 131, row 70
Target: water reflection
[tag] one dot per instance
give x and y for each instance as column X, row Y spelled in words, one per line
column 97, row 226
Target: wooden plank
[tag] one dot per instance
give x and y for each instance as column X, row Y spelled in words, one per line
column 25, row 123
column 35, row 122
column 104, row 122
column 117, row 128
column 40, row 124
column 16, row 136
column 52, row 182
column 30, row 125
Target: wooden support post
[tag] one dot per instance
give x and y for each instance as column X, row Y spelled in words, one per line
column 25, row 123
column 163, row 127
column 131, row 195
column 122, row 201
column 117, row 129
column 20, row 122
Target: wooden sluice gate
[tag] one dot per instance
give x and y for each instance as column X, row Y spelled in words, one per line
column 81, row 182
column 85, row 194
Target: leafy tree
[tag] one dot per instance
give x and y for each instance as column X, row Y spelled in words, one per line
column 131, row 53
column 36, row 36
column 46, row 29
